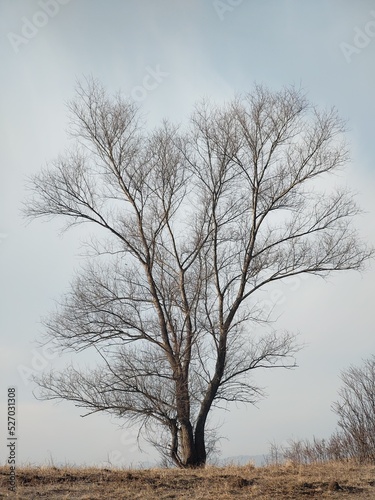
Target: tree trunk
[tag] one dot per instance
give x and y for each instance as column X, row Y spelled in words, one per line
column 199, row 436
column 192, row 448
column 200, row 445
column 186, row 434
column 188, row 454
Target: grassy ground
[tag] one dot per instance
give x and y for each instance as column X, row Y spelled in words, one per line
column 331, row 480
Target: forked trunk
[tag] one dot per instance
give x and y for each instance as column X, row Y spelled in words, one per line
column 188, row 454
column 187, row 450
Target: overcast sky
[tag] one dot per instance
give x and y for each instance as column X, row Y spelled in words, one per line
column 167, row 54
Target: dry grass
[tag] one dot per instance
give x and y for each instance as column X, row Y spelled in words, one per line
column 331, row 480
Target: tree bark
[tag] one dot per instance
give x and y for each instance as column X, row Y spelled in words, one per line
column 200, row 444
column 188, row 455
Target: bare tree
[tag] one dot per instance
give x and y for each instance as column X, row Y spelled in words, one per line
column 306, row 451
column 356, row 410
column 199, row 220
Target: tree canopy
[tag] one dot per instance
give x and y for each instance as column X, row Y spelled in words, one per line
column 199, row 219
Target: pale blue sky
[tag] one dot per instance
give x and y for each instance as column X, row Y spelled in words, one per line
column 197, row 48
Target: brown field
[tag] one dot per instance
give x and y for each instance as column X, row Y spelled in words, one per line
column 331, row 480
